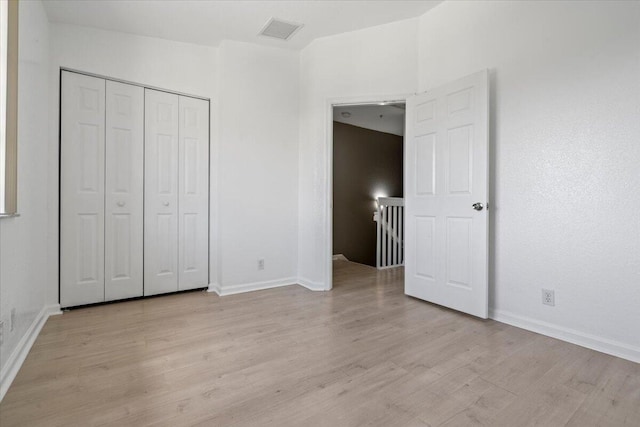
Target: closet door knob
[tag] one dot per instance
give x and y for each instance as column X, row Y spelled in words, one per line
column 165, row 203
column 121, row 204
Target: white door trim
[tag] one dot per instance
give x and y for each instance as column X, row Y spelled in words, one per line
column 328, row 170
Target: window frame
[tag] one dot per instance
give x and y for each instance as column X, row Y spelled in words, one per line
column 8, row 106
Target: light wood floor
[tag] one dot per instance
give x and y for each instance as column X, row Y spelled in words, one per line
column 363, row 354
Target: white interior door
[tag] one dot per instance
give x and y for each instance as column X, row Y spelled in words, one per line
column 82, row 171
column 161, row 193
column 193, row 182
column 446, row 192
column 124, row 191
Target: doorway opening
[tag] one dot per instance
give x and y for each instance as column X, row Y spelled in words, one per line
column 446, row 190
column 367, row 218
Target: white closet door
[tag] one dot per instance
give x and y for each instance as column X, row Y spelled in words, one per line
column 82, row 126
column 161, row 193
column 193, row 257
column 124, row 191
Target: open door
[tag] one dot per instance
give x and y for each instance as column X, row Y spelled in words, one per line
column 446, row 195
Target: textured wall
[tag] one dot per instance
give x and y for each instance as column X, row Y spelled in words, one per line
column 565, row 129
column 369, row 64
column 166, row 64
column 254, row 129
column 257, row 168
column 23, row 249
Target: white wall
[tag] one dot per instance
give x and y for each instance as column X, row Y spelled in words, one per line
column 372, row 63
column 566, row 156
column 175, row 66
column 566, row 97
column 23, row 249
column 565, row 153
column 253, row 138
column 257, row 165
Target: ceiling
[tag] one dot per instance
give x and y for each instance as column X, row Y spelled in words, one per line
column 208, row 22
column 387, row 118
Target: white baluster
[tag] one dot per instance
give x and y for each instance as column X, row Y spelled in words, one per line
column 389, row 236
column 379, row 236
column 394, row 233
column 384, row 236
column 401, row 236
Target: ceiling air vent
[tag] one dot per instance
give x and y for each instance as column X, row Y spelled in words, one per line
column 279, row 29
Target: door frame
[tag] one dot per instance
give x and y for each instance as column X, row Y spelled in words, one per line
column 328, row 209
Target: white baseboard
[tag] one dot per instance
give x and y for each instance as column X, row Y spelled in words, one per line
column 604, row 345
column 311, row 285
column 255, row 286
column 214, row 287
column 19, row 354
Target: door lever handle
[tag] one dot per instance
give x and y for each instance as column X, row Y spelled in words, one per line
column 477, row 206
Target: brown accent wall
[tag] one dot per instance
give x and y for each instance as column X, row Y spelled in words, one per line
column 364, row 162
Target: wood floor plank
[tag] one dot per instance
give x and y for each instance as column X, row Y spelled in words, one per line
column 552, row 406
column 362, row 354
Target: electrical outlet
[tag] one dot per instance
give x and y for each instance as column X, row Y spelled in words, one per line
column 548, row 297
column 12, row 321
column 261, row 264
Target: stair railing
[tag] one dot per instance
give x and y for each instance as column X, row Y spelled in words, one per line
column 390, row 235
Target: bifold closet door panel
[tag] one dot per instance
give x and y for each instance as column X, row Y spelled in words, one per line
column 82, row 174
column 124, row 194
column 193, row 204
column 161, row 192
